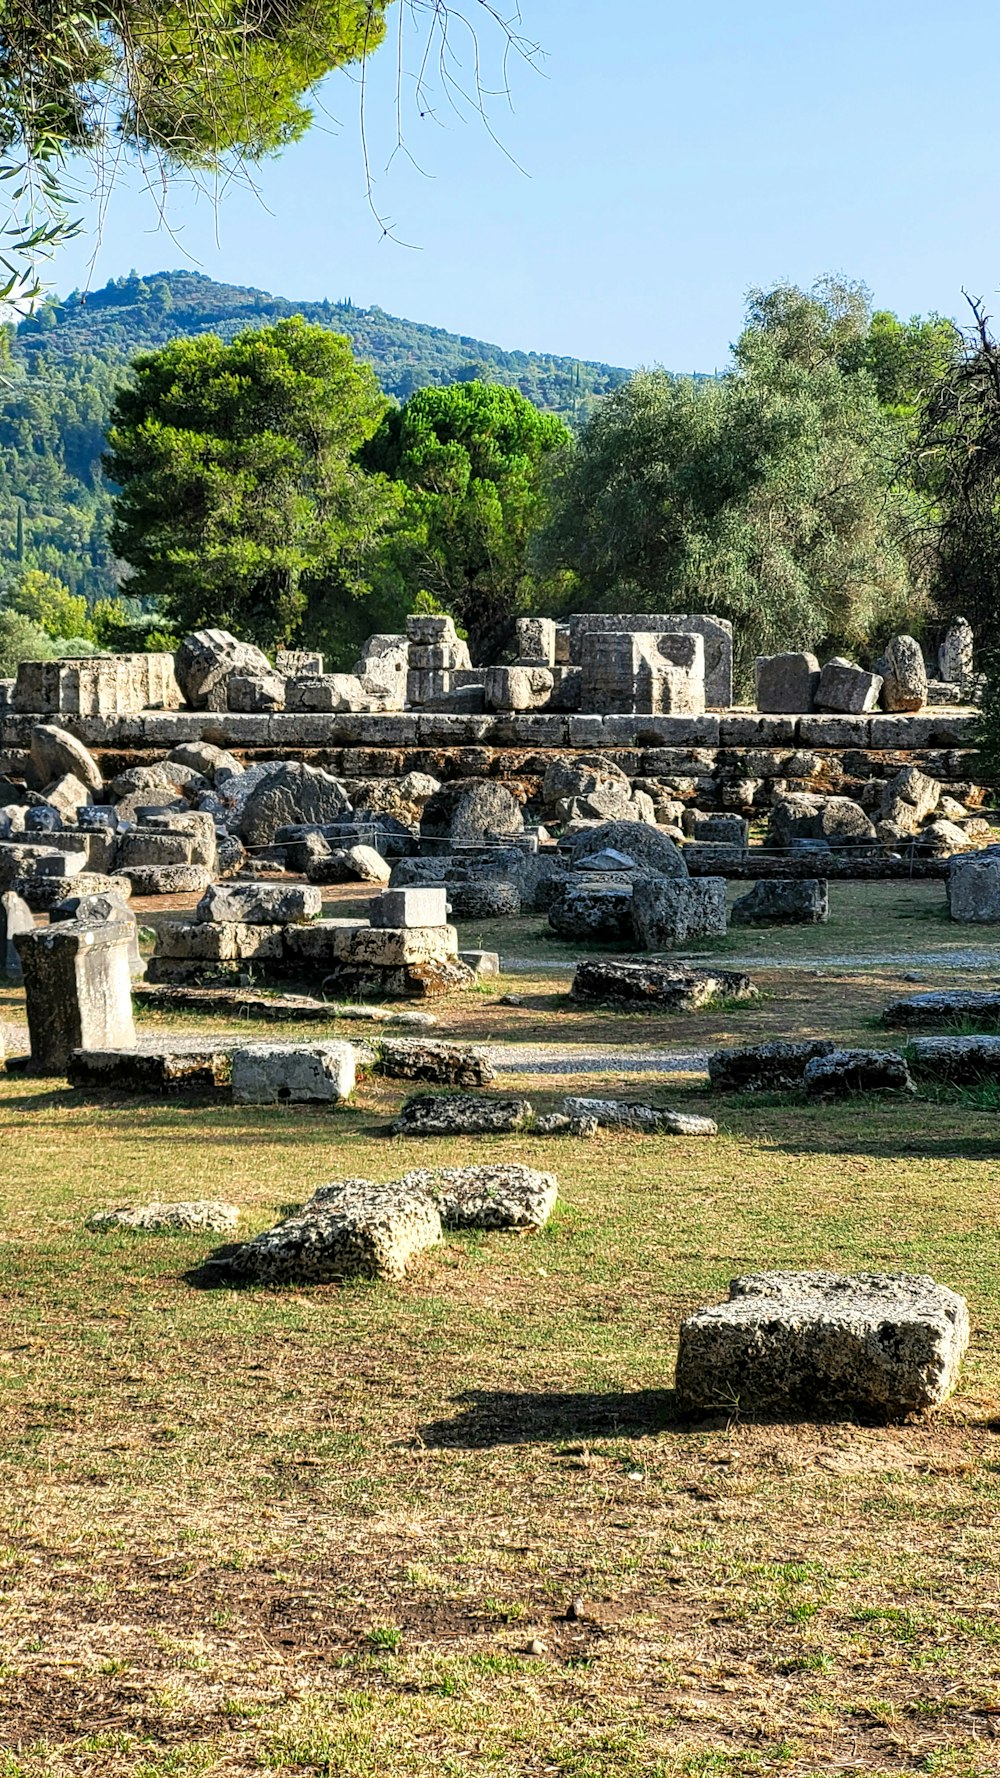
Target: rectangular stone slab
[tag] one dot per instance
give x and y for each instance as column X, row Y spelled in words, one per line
column 807, row 1343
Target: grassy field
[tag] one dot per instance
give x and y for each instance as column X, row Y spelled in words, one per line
column 341, row 1531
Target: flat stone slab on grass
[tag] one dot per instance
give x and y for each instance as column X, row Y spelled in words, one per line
column 961, row 1060
column 764, row 1067
column 841, row 1073
column 450, row 1064
column 198, row 1214
column 199, row 1066
column 461, row 1114
column 293, row 1073
column 354, row 1229
column 944, row 1008
column 669, row 987
column 783, row 901
column 500, row 1197
column 619, row 1114
column 248, row 1004
column 805, row 1343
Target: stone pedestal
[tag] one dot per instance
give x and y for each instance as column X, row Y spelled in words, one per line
column 78, row 989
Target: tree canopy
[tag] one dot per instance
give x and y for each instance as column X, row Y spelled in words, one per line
column 239, row 497
column 470, row 457
column 773, row 495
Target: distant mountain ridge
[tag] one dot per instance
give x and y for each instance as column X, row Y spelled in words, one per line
column 134, row 314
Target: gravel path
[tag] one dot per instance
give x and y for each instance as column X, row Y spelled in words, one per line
column 552, row 1058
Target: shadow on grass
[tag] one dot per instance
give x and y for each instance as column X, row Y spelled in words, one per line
column 504, row 1417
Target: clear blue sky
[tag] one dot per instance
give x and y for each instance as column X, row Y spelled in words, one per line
column 668, row 164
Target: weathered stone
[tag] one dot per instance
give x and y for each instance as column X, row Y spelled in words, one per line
column 834, row 820
column 661, row 986
column 104, row 910
column 955, row 656
column 587, row 913
column 500, row 1197
column 195, row 1215
column 609, row 862
column 164, row 879
column 642, row 673
column 913, row 787
column 352, row 1229
column 406, row 907
column 461, row 1114
column 846, row 689
column 230, row 855
column 261, row 904
column 619, row 1114
column 572, row 776
column 536, row 641
column 15, row 917
column 964, row 1061
column 786, row 683
column 783, row 901
column 518, row 688
column 149, row 783
column 144, row 846
column 651, row 850
column 147, row 1069
column 56, row 753
column 207, row 659
column 206, row 761
column 293, row 1073
column 485, row 898
column 844, row 1072
column 383, row 663
column 815, row 1342
column 973, row 889
column 425, row 1058
column 556, row 1123
column 764, row 1067
column 668, row 911
column 721, row 830
column 97, row 685
column 249, row 692
column 77, row 985
column 290, row 793
column 716, row 634
column 904, row 675
column 67, row 796
column 483, row 964
column 947, row 1008
column 219, row 941
column 940, row 839
column 471, row 811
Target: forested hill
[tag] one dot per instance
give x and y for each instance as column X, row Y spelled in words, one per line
column 68, row 359
column 132, row 314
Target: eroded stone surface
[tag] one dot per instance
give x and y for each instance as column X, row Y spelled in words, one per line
column 667, row 912
column 355, row 1228
column 461, row 1114
column 661, row 986
column 261, row 904
column 843, row 1072
column 506, row 1196
column 449, row 1064
column 195, row 1214
column 803, row 1343
column 293, row 1073
column 783, row 901
column 620, row 1114
column 764, row 1067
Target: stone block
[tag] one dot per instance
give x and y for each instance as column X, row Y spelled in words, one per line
column 786, row 682
column 386, row 948
column 55, row 752
column 102, row 910
column 847, row 690
column 97, row 685
column 187, row 1066
column 719, row 830
column 205, row 662
column 836, row 731
column 427, row 1059
column 973, row 889
column 657, row 731
column 585, row 912
column 483, row 964
column 586, row 731
column 461, row 1114
column 518, row 688
column 261, row 904
column 904, row 675
column 621, row 1114
column 293, row 1073
column 255, row 693
column 428, row 631
column 499, row 1197
column 192, row 1215
column 302, row 663
column 842, row 1073
column 67, row 796
column 783, row 901
column 163, row 879
column 956, row 653
column 409, row 907
column 807, row 1343
column 642, row 673
column 764, row 1067
column 660, row 987
column 716, row 634
column 222, row 941
column 963, row 1061
column 652, row 851
column 142, row 847
column 353, row 1229
column 536, row 641
column 15, row 917
column 329, row 692
column 766, row 729
column 78, row 989
column 669, row 911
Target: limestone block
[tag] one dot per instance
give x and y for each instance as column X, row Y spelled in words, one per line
column 786, row 682
column 832, row 820
column 461, row 1114
column 955, row 656
column 54, row 753
column 649, row 849
column 251, row 693
column 221, row 941
column 430, row 631
column 586, row 912
column 964, row 1061
column 67, row 796
column 145, row 846
column 779, row 901
column 719, row 830
column 483, row 964
column 642, row 673
column 78, row 990
column 298, row 1073
column 353, row 1229
column 518, row 688
column 22, row 860
column 197, row 826
column 207, row 659
column 904, row 675
column 290, row 792
column 164, row 879
column 764, row 1067
column 302, row 663
column 808, row 1342
column 208, row 1214
column 846, row 689
column 973, row 888
column 15, row 917
column 499, row 1197
column 668, row 911
column 331, row 691
column 102, row 910
column 716, row 634
column 425, row 1058
column 389, row 948
column 912, row 786
column 406, row 908
column 185, row 1067
column 384, row 661
column 261, row 904
column 980, row 1007
column 845, row 1072
column 536, row 641
column 661, row 987
column 763, row 729
column 490, row 898
column 97, row 685
column 621, row 1114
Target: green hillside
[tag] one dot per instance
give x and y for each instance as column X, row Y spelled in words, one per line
column 66, row 361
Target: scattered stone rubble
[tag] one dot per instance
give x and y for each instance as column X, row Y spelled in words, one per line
column 882, row 1346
